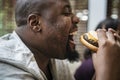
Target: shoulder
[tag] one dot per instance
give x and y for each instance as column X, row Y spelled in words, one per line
column 9, row 72
column 6, row 43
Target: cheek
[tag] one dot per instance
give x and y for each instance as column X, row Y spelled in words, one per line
column 64, row 24
column 60, row 30
column 68, row 21
column 63, row 27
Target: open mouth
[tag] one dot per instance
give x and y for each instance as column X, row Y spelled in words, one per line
column 71, row 40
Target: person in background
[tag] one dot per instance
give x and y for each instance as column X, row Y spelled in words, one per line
column 43, row 40
column 86, row 69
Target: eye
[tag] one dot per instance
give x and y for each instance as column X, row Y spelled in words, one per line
column 67, row 14
column 67, row 11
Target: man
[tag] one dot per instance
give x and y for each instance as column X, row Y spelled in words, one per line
column 43, row 38
column 44, row 32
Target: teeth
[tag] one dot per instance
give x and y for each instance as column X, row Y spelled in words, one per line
column 73, row 33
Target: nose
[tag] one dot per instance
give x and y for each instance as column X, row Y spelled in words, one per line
column 75, row 19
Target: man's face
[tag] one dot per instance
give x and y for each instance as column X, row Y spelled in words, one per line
column 59, row 24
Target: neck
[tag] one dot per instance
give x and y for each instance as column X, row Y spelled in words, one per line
column 44, row 64
column 42, row 60
column 25, row 36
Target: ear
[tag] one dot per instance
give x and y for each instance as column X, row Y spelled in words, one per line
column 34, row 22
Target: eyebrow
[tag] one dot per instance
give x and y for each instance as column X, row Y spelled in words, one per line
column 67, row 7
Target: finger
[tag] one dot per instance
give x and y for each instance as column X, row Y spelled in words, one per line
column 101, row 36
column 117, row 36
column 110, row 36
column 112, row 30
column 118, row 31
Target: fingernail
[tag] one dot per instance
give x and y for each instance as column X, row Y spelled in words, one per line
column 98, row 29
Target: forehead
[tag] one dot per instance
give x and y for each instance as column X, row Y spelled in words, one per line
column 60, row 3
column 54, row 8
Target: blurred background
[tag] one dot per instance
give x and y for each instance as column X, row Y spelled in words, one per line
column 90, row 13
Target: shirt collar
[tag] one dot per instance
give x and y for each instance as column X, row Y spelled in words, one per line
column 25, row 48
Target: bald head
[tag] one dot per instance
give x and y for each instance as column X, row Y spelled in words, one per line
column 26, row 7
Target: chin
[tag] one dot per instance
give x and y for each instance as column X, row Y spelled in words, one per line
column 72, row 55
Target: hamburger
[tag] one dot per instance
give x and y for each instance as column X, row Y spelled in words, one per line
column 90, row 40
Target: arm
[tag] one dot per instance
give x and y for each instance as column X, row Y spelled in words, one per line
column 106, row 60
